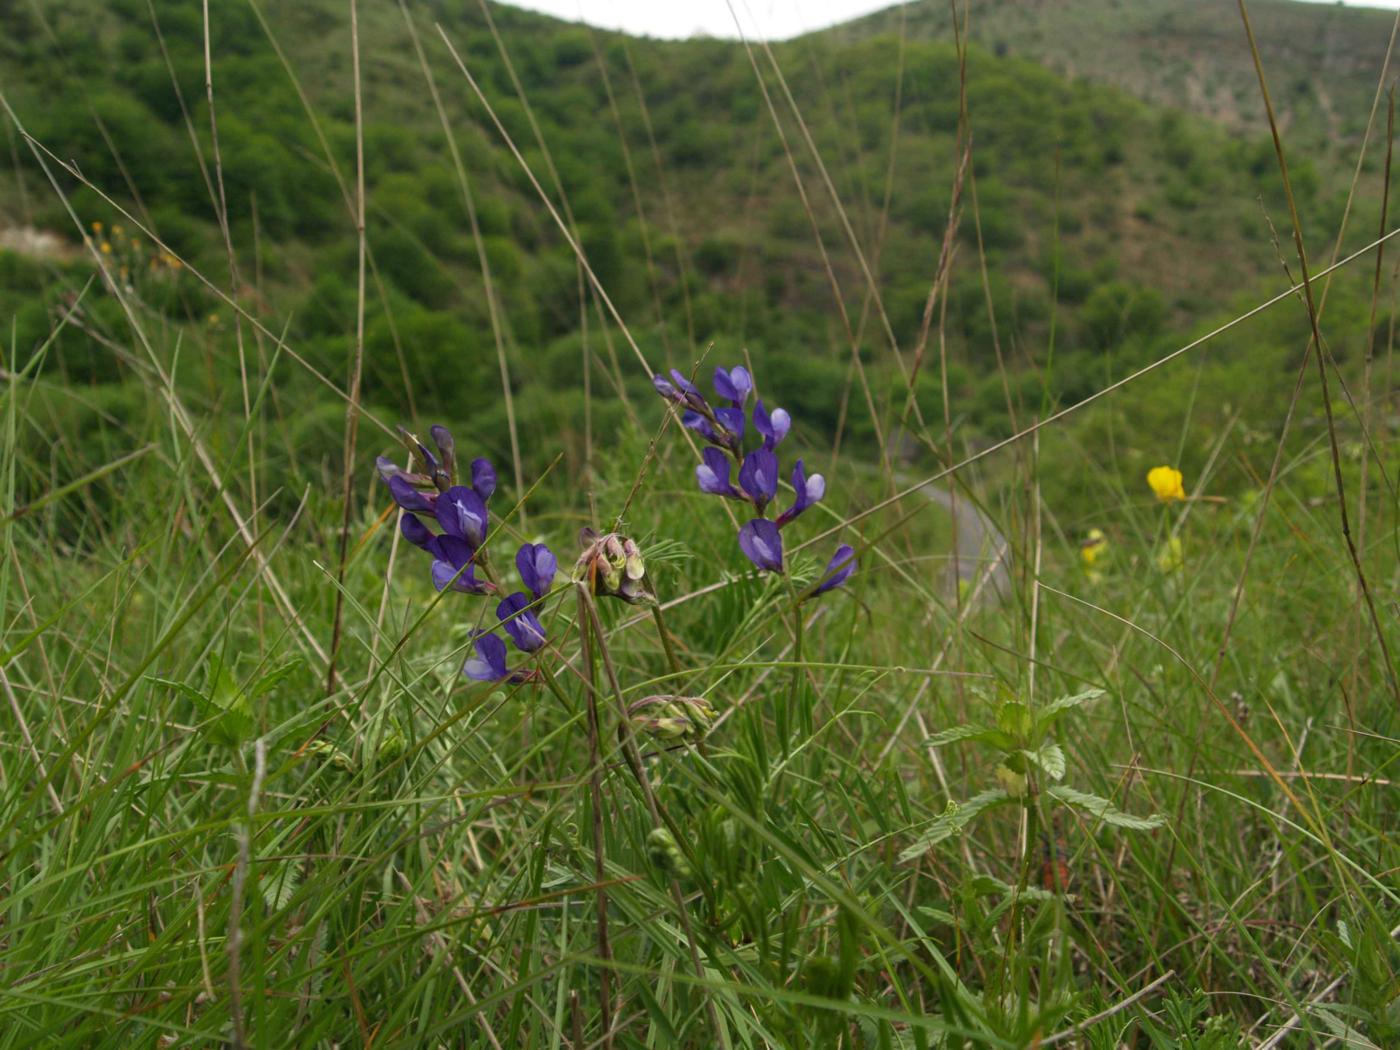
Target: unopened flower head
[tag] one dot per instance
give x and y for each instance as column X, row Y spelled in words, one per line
column 672, row 718
column 613, row 567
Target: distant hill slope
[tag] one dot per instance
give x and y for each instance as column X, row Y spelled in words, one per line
column 1323, row 60
column 1109, row 224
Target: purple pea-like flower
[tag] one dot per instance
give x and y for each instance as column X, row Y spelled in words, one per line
column 713, row 474
column 693, row 420
column 454, row 565
column 773, row 427
column 410, row 498
column 489, row 663
column 521, row 623
column 732, row 419
column 838, row 570
column 734, row 384
column 758, row 477
column 809, row 491
column 416, row 532
column 462, row 513
column 762, row 544
column 483, row 478
column 537, row 566
column 679, row 389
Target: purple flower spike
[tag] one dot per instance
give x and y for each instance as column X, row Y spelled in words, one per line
column 537, row 566
column 462, row 513
column 809, row 491
column 713, row 474
column 734, row 384
column 758, row 477
column 773, row 427
column 452, row 555
column 483, row 478
column 762, row 544
column 416, row 532
column 521, row 623
column 409, row 498
column 838, row 570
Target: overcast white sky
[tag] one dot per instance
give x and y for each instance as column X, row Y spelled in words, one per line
column 774, row 19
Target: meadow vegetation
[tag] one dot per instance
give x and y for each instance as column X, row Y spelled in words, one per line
column 1105, row 757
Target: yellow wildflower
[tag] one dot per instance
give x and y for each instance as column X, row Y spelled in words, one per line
column 1094, row 547
column 96, row 226
column 1171, row 558
column 1166, row 483
column 106, row 248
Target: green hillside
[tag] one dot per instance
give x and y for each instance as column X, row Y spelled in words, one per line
column 1114, row 224
column 1326, row 60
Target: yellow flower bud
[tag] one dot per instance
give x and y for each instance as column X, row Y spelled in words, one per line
column 1166, row 483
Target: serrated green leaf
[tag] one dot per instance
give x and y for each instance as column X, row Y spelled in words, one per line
column 1050, row 758
column 272, row 678
column 954, row 819
column 1047, row 715
column 1015, row 720
column 1102, row 808
column 956, row 733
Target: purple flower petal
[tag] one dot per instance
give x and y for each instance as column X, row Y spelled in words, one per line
column 483, row 478
column 409, row 498
column 452, row 554
column 521, row 623
column 734, row 384
column 489, row 663
column 695, row 421
column 762, row 544
column 442, row 437
column 415, row 531
column 665, row 389
column 537, row 566
column 713, row 474
column 838, row 570
column 462, row 512
column 732, row 419
column 773, row 427
column 758, row 476
column 809, row 491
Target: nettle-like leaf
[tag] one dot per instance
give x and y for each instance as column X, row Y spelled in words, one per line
column 972, row 731
column 954, row 819
column 1051, row 712
column 1102, row 809
column 1050, row 757
column 1015, row 720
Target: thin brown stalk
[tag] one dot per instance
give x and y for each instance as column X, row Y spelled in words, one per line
column 1333, row 444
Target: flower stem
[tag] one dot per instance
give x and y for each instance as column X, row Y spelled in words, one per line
column 595, row 789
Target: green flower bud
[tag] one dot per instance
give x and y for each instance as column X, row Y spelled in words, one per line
column 612, row 565
column 672, row 718
column 665, row 855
